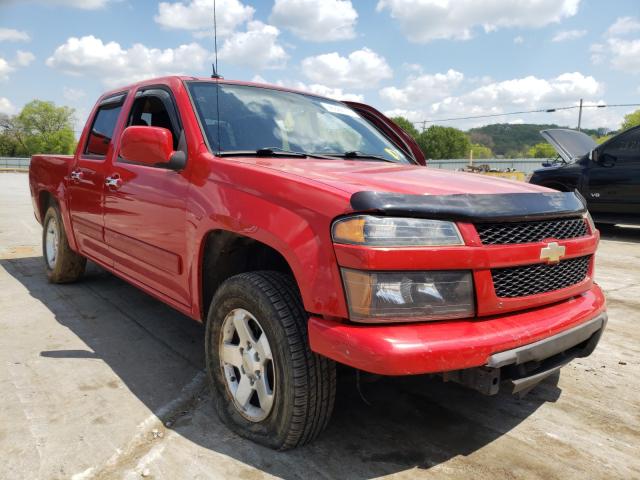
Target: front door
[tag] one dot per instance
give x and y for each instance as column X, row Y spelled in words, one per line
column 86, row 180
column 614, row 179
column 145, row 207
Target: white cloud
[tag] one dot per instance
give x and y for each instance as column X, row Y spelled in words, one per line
column 116, row 66
column 258, row 47
column 24, row 59
column 623, row 54
column 329, row 92
column 565, row 35
column 73, row 94
column 315, row 88
column 316, row 20
column 361, row 69
column 11, row 35
column 5, row 69
column 426, row 20
column 519, row 94
column 6, row 106
column 623, row 26
column 197, row 16
column 518, row 40
column 423, row 89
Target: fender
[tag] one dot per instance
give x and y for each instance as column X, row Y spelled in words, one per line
column 261, row 204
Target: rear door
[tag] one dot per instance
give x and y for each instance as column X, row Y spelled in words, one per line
column 145, row 206
column 614, row 178
column 86, row 180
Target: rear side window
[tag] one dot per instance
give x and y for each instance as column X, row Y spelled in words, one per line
column 104, row 124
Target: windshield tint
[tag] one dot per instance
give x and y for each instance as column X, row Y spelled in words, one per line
column 243, row 118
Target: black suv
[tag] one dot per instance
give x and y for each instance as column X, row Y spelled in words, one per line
column 607, row 175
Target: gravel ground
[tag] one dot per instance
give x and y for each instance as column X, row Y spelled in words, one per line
column 98, row 380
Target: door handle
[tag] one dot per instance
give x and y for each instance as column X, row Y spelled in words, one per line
column 76, row 175
column 113, row 182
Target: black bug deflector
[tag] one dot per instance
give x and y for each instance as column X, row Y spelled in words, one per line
column 473, row 207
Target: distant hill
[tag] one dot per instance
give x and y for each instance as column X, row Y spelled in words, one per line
column 508, row 138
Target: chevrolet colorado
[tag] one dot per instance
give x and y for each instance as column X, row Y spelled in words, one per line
column 305, row 231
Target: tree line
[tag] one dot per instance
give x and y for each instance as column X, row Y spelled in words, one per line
column 506, row 140
column 43, row 127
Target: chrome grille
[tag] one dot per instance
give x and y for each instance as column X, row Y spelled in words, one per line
column 539, row 278
column 527, row 232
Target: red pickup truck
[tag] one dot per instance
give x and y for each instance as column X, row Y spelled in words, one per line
column 305, row 231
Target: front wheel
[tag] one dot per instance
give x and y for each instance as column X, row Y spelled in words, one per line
column 268, row 385
column 61, row 263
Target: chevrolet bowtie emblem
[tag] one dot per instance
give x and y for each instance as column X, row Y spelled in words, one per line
column 552, row 253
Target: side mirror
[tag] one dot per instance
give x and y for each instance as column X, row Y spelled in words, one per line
column 606, row 160
column 150, row 146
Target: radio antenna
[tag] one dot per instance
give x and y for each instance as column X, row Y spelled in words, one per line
column 214, row 66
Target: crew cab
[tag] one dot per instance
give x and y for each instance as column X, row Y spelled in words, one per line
column 607, row 175
column 304, row 231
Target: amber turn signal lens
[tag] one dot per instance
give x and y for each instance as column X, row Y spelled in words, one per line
column 349, row 230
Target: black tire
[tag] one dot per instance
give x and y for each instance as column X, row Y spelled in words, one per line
column 67, row 266
column 305, row 383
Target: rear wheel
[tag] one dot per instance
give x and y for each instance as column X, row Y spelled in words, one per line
column 268, row 385
column 61, row 263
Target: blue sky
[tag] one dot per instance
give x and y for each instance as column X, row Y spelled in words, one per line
column 425, row 59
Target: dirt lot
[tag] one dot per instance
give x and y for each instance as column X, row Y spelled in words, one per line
column 98, row 380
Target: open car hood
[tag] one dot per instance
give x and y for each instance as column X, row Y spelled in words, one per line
column 570, row 144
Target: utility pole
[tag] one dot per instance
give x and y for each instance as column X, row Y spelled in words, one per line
column 580, row 115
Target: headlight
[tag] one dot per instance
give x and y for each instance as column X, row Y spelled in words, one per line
column 408, row 296
column 395, row 232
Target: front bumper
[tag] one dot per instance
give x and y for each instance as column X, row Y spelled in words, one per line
column 433, row 347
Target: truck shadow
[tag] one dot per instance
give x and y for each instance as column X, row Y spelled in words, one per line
column 390, row 425
column 620, row 233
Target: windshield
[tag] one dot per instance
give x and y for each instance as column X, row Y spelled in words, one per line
column 241, row 118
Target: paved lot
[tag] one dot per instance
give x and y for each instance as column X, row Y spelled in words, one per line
column 98, row 380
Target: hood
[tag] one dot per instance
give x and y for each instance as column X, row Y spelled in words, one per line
column 353, row 176
column 570, row 144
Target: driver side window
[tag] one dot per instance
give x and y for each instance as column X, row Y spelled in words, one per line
column 156, row 110
column 625, row 147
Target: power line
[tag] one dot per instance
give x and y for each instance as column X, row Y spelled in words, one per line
column 522, row 112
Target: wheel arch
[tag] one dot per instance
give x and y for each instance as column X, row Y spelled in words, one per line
column 225, row 254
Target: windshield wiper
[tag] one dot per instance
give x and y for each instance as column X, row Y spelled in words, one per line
column 273, row 152
column 354, row 154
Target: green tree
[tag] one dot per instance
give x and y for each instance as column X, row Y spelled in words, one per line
column 542, row 150
column 8, row 143
column 40, row 127
column 631, row 120
column 406, row 125
column 600, row 140
column 480, row 151
column 439, row 142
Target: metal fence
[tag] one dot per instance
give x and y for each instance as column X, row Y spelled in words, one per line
column 14, row 163
column 526, row 165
